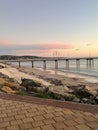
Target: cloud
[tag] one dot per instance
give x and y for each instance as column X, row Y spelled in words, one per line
column 32, row 49
column 36, row 52
column 59, row 46
column 88, row 44
column 5, row 43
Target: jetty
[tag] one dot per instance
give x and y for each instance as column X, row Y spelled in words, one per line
column 89, row 61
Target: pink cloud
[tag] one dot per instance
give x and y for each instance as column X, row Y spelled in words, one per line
column 6, row 42
column 44, row 49
column 59, row 46
column 36, row 52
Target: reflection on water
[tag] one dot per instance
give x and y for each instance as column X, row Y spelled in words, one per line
column 82, row 69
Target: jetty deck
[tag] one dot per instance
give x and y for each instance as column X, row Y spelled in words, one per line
column 28, row 113
column 89, row 61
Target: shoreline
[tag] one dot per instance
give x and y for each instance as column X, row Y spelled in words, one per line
column 40, row 75
column 53, row 84
column 89, row 78
column 70, row 78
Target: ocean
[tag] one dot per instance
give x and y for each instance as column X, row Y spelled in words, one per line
column 82, row 69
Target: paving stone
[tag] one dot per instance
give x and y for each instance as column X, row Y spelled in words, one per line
column 58, row 113
column 38, row 113
column 47, row 127
column 30, row 114
column 42, row 117
column 68, row 112
column 22, row 112
column 37, row 128
column 59, row 119
column 3, row 115
column 70, row 128
column 12, row 114
column 19, row 116
column 2, row 128
column 48, row 116
column 70, row 123
column 96, row 116
column 49, row 121
column 58, row 109
column 9, row 118
column 16, row 122
column 4, row 124
column 13, row 128
column 26, row 120
column 68, row 117
column 7, row 111
column 79, row 120
column 92, row 124
column 26, row 126
column 89, row 118
column 83, row 127
column 1, row 119
column 96, row 128
column 37, row 123
column 38, row 118
column 59, row 125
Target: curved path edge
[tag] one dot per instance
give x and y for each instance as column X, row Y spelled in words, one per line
column 51, row 102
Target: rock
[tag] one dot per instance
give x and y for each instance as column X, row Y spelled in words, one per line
column 62, row 99
column 85, row 100
column 73, row 87
column 92, row 102
column 69, row 97
column 7, row 90
column 13, row 86
column 21, row 89
column 66, row 88
column 97, row 98
column 54, row 81
column 76, row 100
column 80, row 87
column 30, row 82
column 2, row 66
column 3, row 76
column 38, row 89
column 58, row 89
column 2, row 81
column 82, row 93
column 32, row 85
column 91, row 90
column 71, row 91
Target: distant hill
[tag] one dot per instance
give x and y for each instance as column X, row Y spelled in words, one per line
column 12, row 57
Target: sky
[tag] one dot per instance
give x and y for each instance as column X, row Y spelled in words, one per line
column 66, row 28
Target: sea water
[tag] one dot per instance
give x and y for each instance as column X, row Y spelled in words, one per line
column 82, row 69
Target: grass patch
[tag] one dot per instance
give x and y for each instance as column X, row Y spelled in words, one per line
column 23, row 93
column 40, row 94
column 48, row 95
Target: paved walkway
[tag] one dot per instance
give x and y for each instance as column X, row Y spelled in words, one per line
column 20, row 115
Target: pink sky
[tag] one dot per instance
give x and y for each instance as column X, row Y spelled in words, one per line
column 48, row 49
column 44, row 49
column 6, row 43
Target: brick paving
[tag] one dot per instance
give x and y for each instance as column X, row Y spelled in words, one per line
column 22, row 113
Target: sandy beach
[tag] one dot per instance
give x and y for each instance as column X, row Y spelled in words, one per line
column 44, row 76
column 62, row 86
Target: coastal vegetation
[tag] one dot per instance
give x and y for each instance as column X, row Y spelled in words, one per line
column 12, row 57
